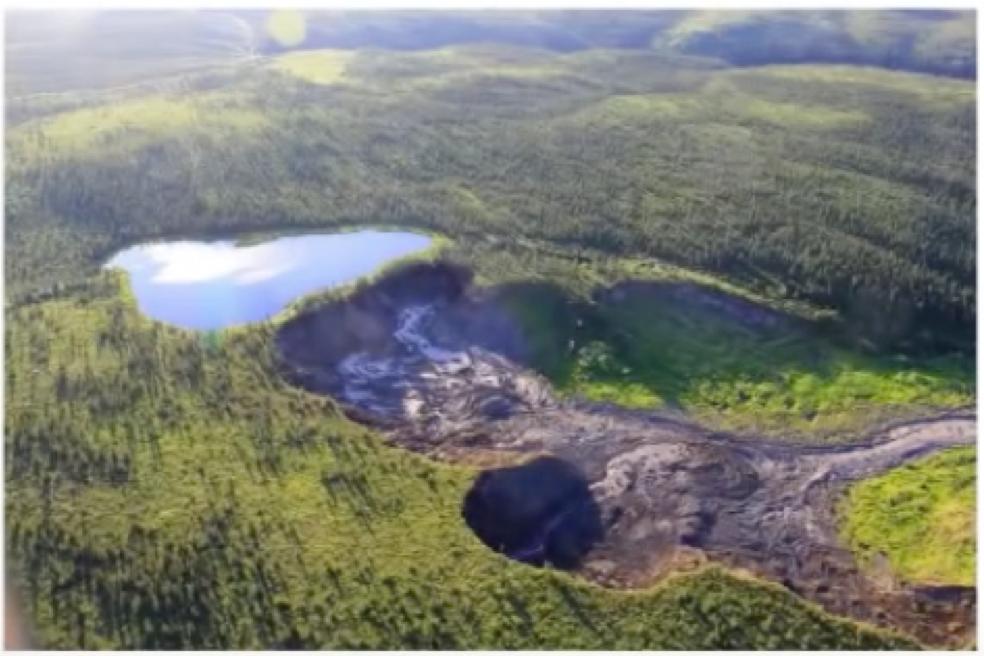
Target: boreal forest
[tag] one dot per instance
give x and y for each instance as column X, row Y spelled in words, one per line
column 687, row 361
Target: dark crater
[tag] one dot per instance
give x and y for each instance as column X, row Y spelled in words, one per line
column 538, row 512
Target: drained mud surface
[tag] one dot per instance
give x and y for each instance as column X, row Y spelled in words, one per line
column 439, row 367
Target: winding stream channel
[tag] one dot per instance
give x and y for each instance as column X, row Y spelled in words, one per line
column 441, row 372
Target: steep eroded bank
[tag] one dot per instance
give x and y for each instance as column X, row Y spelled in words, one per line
column 441, row 367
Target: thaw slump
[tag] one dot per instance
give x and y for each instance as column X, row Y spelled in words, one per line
column 425, row 356
column 369, row 380
column 622, row 497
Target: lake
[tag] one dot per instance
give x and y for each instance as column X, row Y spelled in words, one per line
column 207, row 285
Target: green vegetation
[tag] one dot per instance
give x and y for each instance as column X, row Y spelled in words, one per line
column 935, row 90
column 116, row 129
column 863, row 201
column 921, row 517
column 726, row 362
column 167, row 489
column 794, row 115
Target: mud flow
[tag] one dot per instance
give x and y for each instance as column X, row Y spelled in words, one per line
column 620, row 497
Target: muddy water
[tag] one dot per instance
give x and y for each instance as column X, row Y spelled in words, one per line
column 443, row 374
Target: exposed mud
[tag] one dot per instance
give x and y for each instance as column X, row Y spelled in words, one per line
column 438, row 366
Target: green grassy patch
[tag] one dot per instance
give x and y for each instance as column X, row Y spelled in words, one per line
column 96, row 131
column 764, row 372
column 921, row 517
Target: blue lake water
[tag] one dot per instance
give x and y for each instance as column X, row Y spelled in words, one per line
column 215, row 284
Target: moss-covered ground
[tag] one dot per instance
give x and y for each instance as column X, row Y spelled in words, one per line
column 921, row 517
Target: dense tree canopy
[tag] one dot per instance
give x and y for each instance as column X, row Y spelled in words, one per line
column 850, row 187
column 166, row 489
